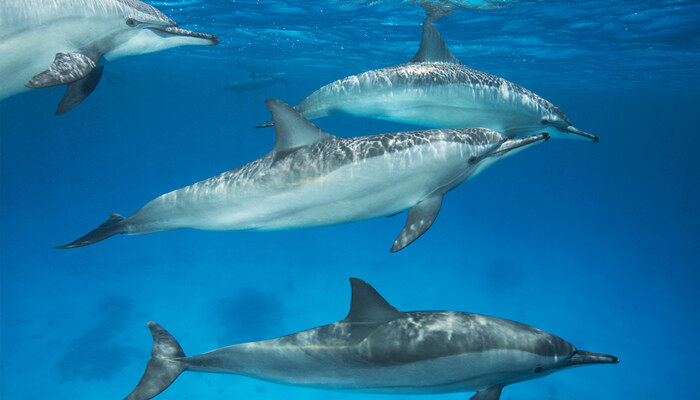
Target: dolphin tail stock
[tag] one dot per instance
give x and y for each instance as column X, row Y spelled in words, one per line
column 582, row 357
column 163, row 367
column 115, row 224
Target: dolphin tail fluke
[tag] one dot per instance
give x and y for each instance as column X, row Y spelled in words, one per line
column 163, row 367
column 581, row 357
column 115, row 224
column 266, row 124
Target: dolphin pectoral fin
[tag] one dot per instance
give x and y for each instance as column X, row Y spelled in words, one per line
column 292, row 130
column 367, row 305
column 492, row 393
column 79, row 90
column 420, row 218
column 66, row 68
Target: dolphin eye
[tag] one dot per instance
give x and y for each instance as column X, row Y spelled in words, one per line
column 472, row 160
column 131, row 22
column 539, row 369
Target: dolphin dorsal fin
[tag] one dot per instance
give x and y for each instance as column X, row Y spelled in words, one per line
column 292, row 130
column 366, row 305
column 432, row 47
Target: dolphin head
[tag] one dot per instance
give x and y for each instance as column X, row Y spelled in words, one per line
column 502, row 149
column 144, row 29
column 563, row 126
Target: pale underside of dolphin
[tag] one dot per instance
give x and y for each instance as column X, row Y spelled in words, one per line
column 312, row 178
column 378, row 348
column 51, row 43
column 436, row 90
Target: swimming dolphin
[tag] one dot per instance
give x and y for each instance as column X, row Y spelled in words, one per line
column 312, row 178
column 436, row 90
column 256, row 80
column 52, row 43
column 378, row 348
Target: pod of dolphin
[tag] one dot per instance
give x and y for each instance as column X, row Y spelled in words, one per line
column 312, row 178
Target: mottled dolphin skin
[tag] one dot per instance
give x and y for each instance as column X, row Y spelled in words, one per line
column 436, row 90
column 378, row 348
column 312, row 178
column 51, row 43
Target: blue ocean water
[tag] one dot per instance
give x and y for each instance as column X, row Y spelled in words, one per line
column 596, row 243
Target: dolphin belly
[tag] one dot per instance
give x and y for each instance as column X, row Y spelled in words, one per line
column 338, row 368
column 366, row 188
column 457, row 105
column 29, row 50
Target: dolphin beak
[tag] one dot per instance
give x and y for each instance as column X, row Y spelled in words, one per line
column 575, row 131
column 586, row 357
column 517, row 143
column 177, row 31
column 511, row 145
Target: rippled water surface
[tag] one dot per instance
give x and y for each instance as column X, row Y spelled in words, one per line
column 596, row 243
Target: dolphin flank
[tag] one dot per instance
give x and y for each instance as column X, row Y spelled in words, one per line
column 312, row 178
column 51, row 43
column 436, row 90
column 378, row 348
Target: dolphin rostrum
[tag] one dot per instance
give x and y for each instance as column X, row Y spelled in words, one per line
column 436, row 90
column 52, row 43
column 378, row 348
column 312, row 178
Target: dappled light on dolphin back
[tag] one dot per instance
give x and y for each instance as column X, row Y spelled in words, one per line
column 379, row 348
column 312, row 178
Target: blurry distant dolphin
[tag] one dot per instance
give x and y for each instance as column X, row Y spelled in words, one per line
column 378, row 348
column 312, row 178
column 435, row 90
column 51, row 43
column 256, row 81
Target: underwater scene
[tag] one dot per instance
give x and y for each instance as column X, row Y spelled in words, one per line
column 181, row 176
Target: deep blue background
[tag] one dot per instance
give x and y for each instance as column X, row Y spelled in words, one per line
column 596, row 243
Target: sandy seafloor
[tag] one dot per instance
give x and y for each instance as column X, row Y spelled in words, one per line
column 596, row 243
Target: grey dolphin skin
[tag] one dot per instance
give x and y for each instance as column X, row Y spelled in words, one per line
column 312, row 178
column 51, row 43
column 436, row 90
column 378, row 348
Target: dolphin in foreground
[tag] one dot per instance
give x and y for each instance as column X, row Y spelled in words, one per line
column 312, row 178
column 378, row 348
column 52, row 43
column 436, row 90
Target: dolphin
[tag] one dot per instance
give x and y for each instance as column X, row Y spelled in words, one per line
column 53, row 43
column 436, row 90
column 312, row 178
column 378, row 348
column 256, row 80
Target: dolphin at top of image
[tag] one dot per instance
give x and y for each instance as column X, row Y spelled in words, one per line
column 312, row 178
column 52, row 43
column 378, row 348
column 436, row 90
column 257, row 80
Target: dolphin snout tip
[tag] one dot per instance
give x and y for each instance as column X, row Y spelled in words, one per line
column 545, row 136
